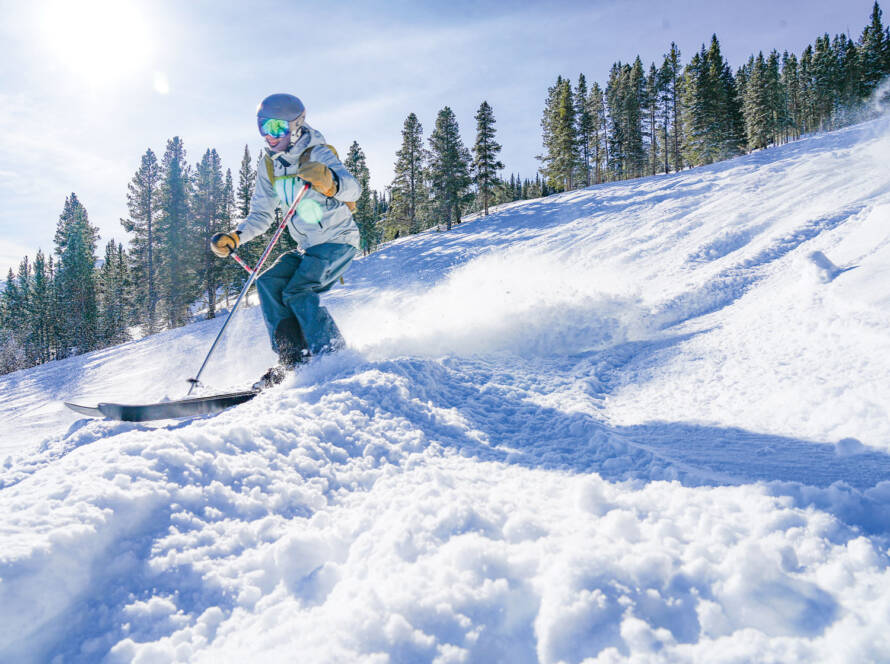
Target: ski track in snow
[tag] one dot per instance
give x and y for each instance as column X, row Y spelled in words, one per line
column 646, row 421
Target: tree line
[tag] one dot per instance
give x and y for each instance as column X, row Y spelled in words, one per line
column 437, row 182
column 673, row 116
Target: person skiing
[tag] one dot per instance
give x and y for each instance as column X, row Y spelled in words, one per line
column 326, row 234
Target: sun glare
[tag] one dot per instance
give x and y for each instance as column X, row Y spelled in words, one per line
column 100, row 41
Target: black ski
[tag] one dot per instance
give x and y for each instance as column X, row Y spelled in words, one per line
column 166, row 409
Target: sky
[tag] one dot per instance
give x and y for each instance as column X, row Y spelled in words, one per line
column 87, row 87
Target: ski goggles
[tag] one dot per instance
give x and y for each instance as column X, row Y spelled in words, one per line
column 273, row 127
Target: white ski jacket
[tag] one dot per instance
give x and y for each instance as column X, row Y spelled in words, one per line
column 336, row 224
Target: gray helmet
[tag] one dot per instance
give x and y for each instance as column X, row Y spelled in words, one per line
column 282, row 107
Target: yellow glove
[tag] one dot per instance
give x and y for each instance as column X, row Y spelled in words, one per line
column 319, row 176
column 223, row 244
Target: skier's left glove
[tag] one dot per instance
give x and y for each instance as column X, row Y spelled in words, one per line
column 223, row 244
column 319, row 176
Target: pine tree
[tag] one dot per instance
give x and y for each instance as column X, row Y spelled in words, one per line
column 671, row 73
column 729, row 124
column 875, row 52
column 652, row 93
column 586, row 128
column 596, row 107
column 698, row 111
column 233, row 275
column 807, row 92
column 449, row 167
column 775, row 96
column 357, row 165
column 713, row 121
column 57, row 304
column 625, row 98
column 246, row 184
column 617, row 141
column 9, row 302
column 113, row 286
column 851, row 90
column 790, row 82
column 407, row 190
column 634, row 102
column 208, row 211
column 485, row 164
column 560, row 137
column 178, row 283
column 825, row 82
column 41, row 311
column 757, row 108
column 143, row 201
column 75, row 242
column 23, row 323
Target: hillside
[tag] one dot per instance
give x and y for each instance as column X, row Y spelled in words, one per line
column 646, row 421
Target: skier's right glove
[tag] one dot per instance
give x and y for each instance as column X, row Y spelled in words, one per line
column 319, row 176
column 223, row 244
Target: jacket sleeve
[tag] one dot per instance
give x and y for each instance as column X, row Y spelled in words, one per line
column 348, row 188
column 262, row 207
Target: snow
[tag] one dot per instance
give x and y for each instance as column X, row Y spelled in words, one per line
column 643, row 422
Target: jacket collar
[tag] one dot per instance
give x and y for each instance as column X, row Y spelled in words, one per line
column 308, row 136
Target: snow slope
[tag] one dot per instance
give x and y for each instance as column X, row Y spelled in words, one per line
column 646, row 421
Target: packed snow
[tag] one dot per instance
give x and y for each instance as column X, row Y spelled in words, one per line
column 646, row 421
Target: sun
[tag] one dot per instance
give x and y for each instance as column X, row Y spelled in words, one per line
column 99, row 41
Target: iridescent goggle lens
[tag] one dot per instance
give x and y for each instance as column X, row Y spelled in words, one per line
column 273, row 127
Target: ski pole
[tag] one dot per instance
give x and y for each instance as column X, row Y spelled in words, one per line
column 253, row 274
column 241, row 262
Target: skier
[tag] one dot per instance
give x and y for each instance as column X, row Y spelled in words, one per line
column 323, row 227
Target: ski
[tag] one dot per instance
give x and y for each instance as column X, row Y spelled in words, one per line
column 91, row 411
column 165, row 410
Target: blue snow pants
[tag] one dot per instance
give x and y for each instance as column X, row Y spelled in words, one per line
column 289, row 297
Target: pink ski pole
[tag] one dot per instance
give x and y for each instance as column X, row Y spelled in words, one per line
column 253, row 275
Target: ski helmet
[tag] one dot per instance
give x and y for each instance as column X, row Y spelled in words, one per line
column 282, row 107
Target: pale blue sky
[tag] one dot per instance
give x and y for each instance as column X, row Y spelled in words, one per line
column 77, row 114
